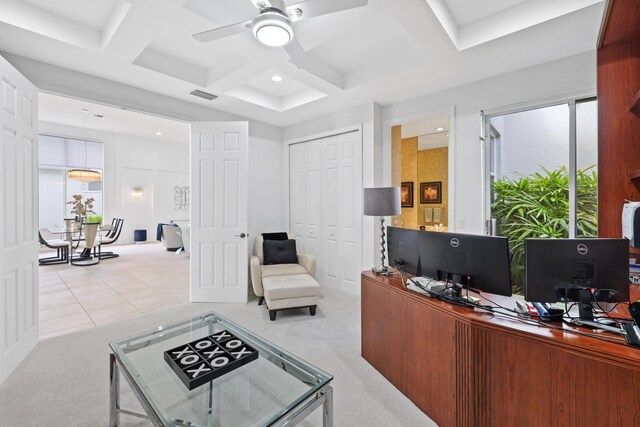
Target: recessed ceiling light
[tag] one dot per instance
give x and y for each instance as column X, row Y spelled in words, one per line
column 159, row 133
column 276, row 78
column 98, row 116
column 439, row 129
column 85, row 111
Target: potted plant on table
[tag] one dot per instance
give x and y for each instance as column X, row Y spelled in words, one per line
column 81, row 208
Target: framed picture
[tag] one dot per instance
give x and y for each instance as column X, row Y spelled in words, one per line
column 406, row 194
column 431, row 192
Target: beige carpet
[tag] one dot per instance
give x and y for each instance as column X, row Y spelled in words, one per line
column 64, row 381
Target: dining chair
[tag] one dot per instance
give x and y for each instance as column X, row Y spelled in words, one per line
column 49, row 240
column 111, row 237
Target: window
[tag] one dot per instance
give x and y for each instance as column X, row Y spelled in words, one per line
column 56, row 156
column 541, row 175
column 586, row 168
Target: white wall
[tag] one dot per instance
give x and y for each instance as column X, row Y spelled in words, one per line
column 558, row 78
column 531, row 140
column 159, row 166
column 266, row 202
column 130, row 161
column 267, row 208
column 62, row 81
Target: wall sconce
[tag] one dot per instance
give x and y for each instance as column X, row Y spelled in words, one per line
column 137, row 193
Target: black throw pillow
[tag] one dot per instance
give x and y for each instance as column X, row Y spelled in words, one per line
column 279, row 252
column 275, row 236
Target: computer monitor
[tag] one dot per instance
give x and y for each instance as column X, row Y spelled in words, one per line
column 479, row 262
column 403, row 249
column 578, row 270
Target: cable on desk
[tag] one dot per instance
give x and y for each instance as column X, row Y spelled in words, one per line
column 533, row 320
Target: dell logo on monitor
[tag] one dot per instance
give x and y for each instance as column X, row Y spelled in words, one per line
column 454, row 242
column 582, row 249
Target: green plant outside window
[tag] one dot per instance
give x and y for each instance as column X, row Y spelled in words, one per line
column 537, row 206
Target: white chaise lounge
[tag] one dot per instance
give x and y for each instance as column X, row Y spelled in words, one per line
column 284, row 286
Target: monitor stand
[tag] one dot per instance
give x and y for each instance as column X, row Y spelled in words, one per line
column 585, row 305
column 585, row 309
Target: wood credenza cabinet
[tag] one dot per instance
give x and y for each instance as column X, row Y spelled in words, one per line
column 463, row 367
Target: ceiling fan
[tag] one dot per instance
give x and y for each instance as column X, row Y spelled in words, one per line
column 273, row 26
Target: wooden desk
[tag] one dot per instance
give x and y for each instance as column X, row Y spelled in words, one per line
column 463, row 367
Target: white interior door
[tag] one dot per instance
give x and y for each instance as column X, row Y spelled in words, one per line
column 18, row 218
column 305, row 192
column 219, row 257
column 342, row 211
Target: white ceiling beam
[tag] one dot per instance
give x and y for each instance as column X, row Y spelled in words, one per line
column 236, row 77
column 305, row 61
column 446, row 20
column 143, row 21
column 39, row 21
column 225, row 68
column 170, row 66
column 516, row 19
column 115, row 19
column 288, row 68
column 505, row 22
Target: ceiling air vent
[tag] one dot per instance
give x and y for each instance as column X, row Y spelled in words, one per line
column 205, row 95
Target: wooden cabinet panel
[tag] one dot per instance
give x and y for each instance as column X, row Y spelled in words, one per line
column 381, row 339
column 618, row 121
column 519, row 377
column 463, row 367
column 429, row 365
column 591, row 392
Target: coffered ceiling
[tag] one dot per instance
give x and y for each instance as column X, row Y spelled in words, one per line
column 385, row 52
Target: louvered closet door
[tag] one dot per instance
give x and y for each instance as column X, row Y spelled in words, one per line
column 305, row 197
column 341, row 211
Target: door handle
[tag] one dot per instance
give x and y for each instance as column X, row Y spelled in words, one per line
column 241, row 235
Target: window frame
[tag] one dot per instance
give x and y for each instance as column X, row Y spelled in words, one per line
column 487, row 132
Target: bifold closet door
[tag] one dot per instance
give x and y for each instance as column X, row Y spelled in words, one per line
column 342, row 211
column 305, row 197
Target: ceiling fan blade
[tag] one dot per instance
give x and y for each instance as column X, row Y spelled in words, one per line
column 259, row 4
column 313, row 8
column 303, row 60
column 222, row 32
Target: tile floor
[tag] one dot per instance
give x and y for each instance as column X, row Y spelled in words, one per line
column 144, row 278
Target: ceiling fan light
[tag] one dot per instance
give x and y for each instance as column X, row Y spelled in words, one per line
column 273, row 35
column 272, row 29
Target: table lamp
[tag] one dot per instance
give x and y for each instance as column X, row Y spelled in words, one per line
column 381, row 202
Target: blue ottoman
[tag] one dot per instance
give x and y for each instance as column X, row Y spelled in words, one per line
column 139, row 236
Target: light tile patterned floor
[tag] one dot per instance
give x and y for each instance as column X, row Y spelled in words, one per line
column 144, row 278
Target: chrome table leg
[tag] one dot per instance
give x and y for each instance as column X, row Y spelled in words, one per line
column 114, row 392
column 327, row 408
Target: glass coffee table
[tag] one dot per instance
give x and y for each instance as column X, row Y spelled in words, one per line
column 277, row 389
